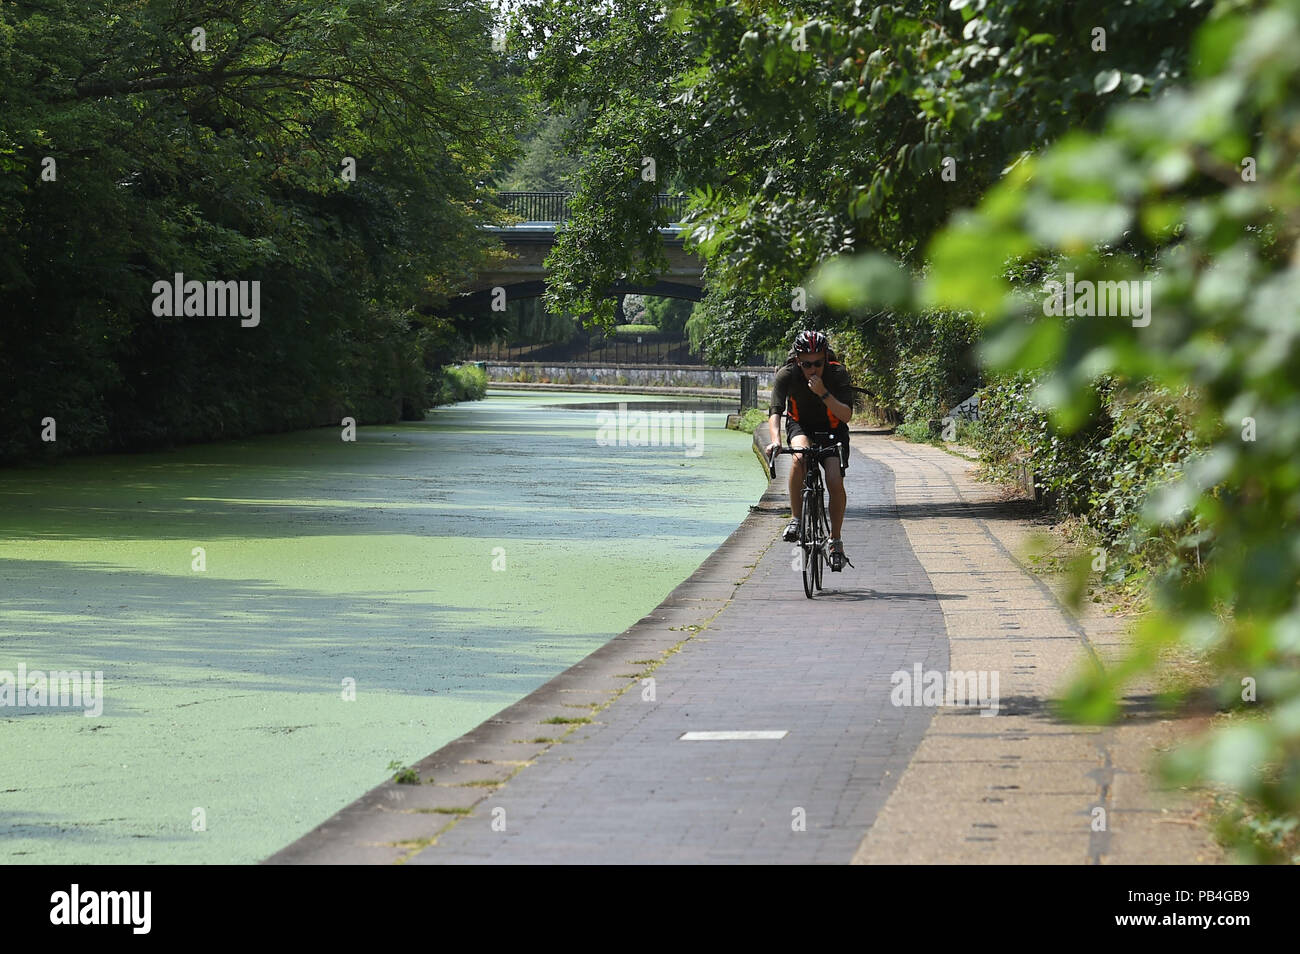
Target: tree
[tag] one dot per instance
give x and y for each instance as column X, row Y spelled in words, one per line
column 815, row 129
column 328, row 151
column 669, row 315
column 1196, row 194
column 547, row 164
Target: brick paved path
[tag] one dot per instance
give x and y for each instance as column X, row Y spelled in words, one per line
column 1026, row 786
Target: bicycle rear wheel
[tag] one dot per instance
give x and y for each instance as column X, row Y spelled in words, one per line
column 822, row 537
column 808, row 542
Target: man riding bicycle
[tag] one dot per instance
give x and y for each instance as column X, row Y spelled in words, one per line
column 820, row 397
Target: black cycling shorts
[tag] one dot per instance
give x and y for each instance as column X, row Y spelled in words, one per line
column 840, row 434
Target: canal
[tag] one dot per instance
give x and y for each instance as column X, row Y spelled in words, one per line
column 278, row 619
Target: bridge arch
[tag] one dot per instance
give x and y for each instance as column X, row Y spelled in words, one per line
column 523, row 272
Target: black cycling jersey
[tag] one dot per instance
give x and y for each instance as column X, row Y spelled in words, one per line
column 807, row 408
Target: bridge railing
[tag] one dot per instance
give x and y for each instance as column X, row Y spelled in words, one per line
column 596, row 349
column 554, row 206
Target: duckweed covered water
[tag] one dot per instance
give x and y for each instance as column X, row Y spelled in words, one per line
column 325, row 562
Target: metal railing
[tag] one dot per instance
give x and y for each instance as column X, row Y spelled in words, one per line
column 651, row 349
column 554, row 206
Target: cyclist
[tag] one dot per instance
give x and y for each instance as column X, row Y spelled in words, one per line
column 820, row 397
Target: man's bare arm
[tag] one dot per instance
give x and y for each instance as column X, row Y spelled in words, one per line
column 833, row 404
column 836, row 406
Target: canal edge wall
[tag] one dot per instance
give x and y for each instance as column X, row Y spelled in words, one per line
column 391, row 822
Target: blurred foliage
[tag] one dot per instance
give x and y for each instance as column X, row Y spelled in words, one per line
column 1258, row 835
column 1197, row 192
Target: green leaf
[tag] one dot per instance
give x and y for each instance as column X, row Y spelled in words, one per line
column 867, row 281
column 968, row 260
column 1107, row 81
column 1075, row 225
column 678, row 20
column 1214, row 44
column 1236, row 754
column 1020, row 344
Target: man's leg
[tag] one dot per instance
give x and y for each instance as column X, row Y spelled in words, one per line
column 839, row 499
column 796, row 476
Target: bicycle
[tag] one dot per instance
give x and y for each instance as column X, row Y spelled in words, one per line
column 814, row 522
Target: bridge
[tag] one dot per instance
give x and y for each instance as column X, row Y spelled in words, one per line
column 530, row 241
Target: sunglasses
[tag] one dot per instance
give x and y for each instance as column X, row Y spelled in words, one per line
column 810, row 364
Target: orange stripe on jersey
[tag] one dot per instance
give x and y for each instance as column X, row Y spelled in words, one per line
column 835, row 421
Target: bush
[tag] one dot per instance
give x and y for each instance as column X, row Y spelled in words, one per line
column 466, row 382
column 1015, row 432
column 634, row 310
column 916, row 430
column 918, row 366
column 1151, row 437
column 669, row 315
column 1105, row 472
column 751, row 419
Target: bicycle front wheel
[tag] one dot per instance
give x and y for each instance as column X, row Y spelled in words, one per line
column 821, row 538
column 808, row 542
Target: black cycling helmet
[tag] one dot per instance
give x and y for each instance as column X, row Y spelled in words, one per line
column 808, row 341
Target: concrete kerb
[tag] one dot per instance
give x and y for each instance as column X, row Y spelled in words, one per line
column 449, row 775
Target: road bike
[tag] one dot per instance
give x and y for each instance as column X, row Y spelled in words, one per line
column 814, row 522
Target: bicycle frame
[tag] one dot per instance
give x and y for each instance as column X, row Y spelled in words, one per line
column 814, row 524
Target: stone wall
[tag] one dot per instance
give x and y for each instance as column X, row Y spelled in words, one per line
column 649, row 375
